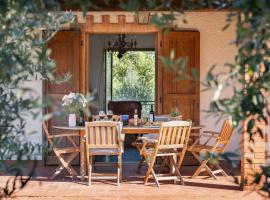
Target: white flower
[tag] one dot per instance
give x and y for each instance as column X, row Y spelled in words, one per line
column 72, row 95
column 73, row 102
column 64, row 97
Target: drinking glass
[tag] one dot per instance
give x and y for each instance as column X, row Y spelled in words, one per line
column 144, row 118
column 110, row 114
column 101, row 115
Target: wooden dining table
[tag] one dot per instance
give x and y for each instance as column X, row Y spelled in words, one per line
column 125, row 130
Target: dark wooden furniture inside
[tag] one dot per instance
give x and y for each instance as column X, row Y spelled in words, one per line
column 126, row 108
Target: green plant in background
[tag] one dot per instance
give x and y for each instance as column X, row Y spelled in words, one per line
column 175, row 111
column 134, row 76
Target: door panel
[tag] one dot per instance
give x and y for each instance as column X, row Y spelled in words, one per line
column 65, row 46
column 185, row 94
column 182, row 93
column 186, row 104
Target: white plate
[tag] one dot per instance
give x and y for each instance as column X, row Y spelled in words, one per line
column 152, row 126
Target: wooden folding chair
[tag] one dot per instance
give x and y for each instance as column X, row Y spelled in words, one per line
column 73, row 150
column 172, row 143
column 115, row 118
column 221, row 141
column 103, row 138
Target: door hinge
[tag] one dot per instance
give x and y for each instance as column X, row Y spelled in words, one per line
column 81, row 43
column 160, row 99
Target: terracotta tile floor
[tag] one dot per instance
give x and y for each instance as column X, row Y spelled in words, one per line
column 40, row 187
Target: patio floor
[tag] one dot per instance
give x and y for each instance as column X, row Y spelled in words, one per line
column 40, row 187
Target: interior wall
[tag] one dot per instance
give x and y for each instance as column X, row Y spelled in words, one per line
column 97, row 43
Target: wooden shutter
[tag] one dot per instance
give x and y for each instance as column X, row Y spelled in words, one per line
column 65, row 46
column 185, row 94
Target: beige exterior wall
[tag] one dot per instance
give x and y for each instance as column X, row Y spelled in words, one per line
column 33, row 128
column 215, row 48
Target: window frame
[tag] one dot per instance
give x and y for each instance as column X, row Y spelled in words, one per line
column 106, row 50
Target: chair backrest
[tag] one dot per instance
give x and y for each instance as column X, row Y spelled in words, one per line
column 102, row 134
column 174, row 134
column 225, row 133
column 125, row 107
column 48, row 135
column 115, row 118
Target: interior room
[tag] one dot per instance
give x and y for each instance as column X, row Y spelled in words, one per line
column 125, row 75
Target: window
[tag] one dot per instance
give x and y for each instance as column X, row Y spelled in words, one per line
column 132, row 77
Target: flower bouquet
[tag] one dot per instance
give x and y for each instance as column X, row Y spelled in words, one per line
column 73, row 103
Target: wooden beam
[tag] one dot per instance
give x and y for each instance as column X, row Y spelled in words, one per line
column 120, row 27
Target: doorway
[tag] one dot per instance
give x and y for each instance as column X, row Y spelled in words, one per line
column 131, row 77
column 101, row 64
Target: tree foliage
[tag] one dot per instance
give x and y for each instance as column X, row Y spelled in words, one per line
column 134, row 76
column 250, row 69
column 23, row 57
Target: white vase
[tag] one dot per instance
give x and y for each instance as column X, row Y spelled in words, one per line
column 71, row 120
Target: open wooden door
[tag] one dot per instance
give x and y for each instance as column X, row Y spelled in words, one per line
column 65, row 46
column 185, row 94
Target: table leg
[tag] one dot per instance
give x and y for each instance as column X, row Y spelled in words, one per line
column 171, row 163
column 82, row 158
column 172, row 169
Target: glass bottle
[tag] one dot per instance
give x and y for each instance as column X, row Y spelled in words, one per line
column 151, row 115
column 81, row 118
column 135, row 117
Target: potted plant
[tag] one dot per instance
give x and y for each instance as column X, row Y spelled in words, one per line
column 73, row 103
column 176, row 114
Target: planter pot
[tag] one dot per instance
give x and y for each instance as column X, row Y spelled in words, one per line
column 177, row 118
column 71, row 120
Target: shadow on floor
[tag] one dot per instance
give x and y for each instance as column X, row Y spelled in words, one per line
column 131, row 177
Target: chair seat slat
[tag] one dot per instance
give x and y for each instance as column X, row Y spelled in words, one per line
column 171, row 146
column 97, row 135
column 104, row 146
column 168, row 135
column 163, row 135
column 103, row 136
column 183, row 136
column 173, row 139
column 109, row 133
